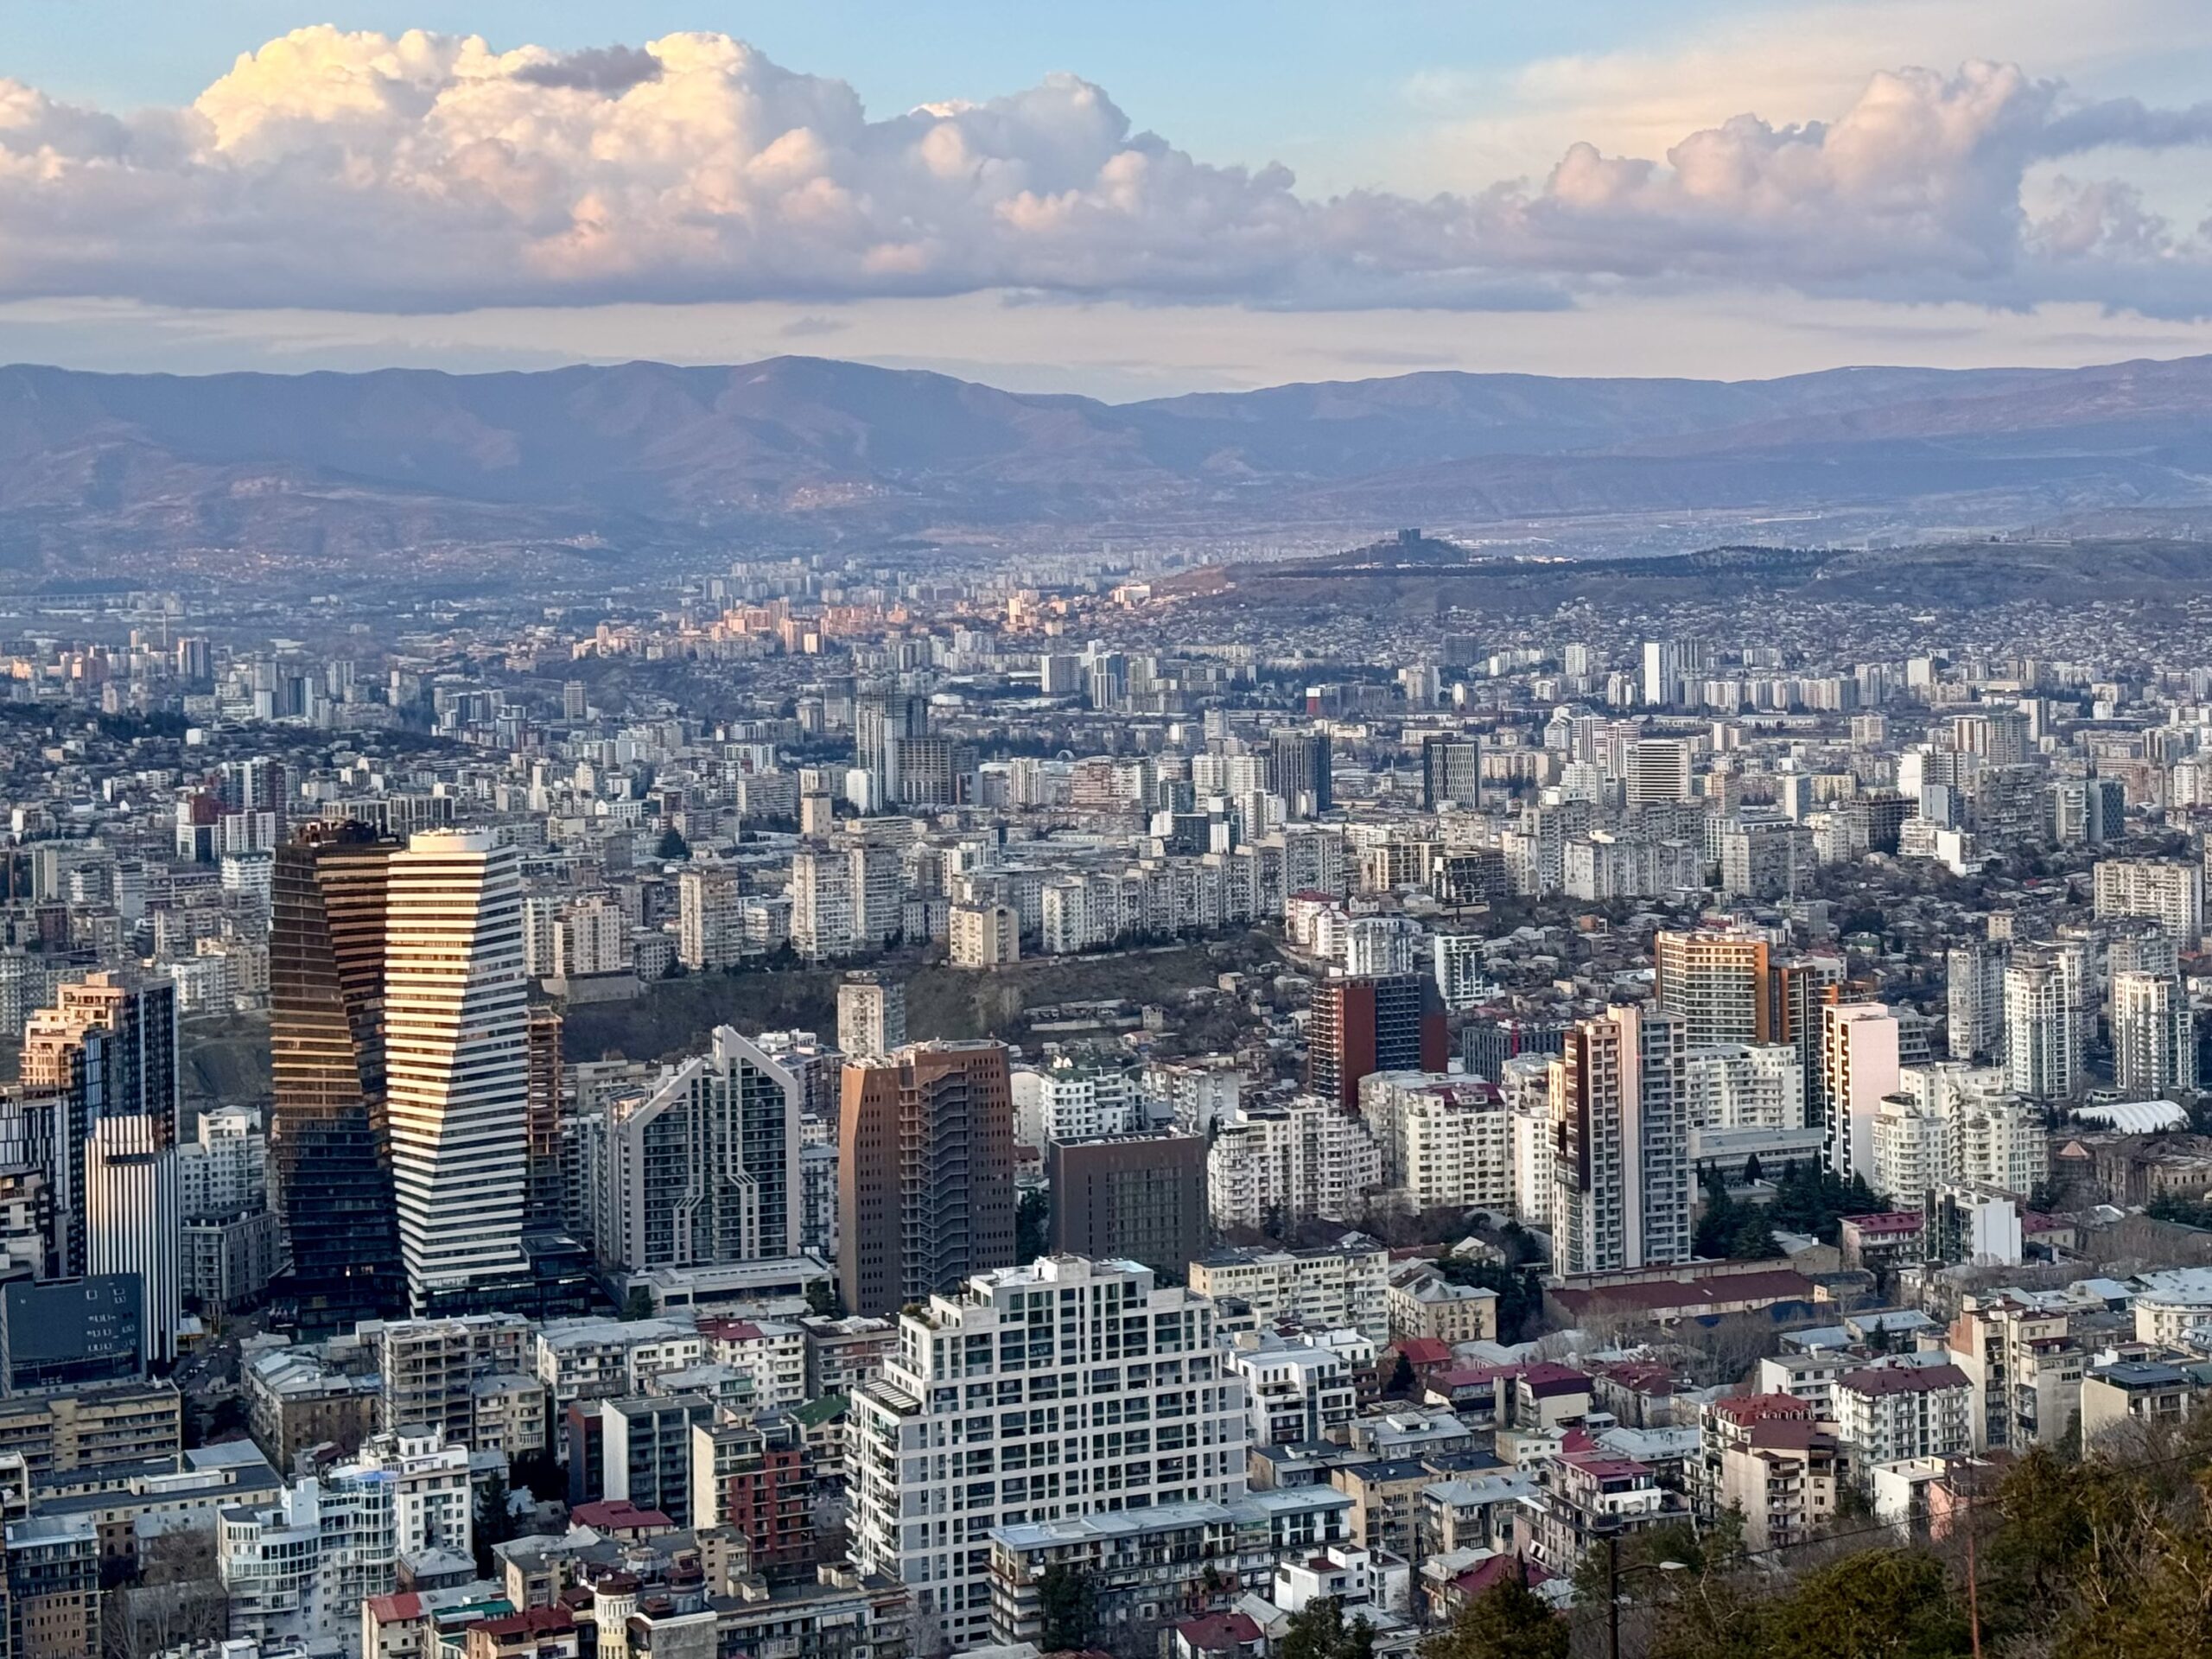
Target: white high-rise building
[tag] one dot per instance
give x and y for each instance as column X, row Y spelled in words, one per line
column 823, row 906
column 1382, row 945
column 1076, row 1099
column 1744, row 1086
column 1947, row 1122
column 1014, row 1403
column 2168, row 894
column 1621, row 1191
column 871, row 1015
column 1290, row 1163
column 1446, row 1140
column 2042, row 1033
column 1976, row 1001
column 1525, row 1083
column 710, row 917
column 2153, row 1035
column 455, row 1016
column 1659, row 770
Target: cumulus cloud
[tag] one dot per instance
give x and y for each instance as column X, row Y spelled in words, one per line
column 427, row 172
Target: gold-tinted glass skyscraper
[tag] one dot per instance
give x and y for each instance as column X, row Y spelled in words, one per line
column 329, row 1150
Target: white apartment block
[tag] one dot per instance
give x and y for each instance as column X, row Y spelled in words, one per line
column 1526, row 1087
column 300, row 1564
column 1443, row 1141
column 1293, row 1391
column 1888, row 1413
column 602, row 1359
column 772, row 1352
column 710, row 917
column 1290, row 1163
column 984, row 936
column 2043, row 1029
column 1382, row 945
column 1070, row 1099
column 2171, row 894
column 1059, row 1390
column 1744, row 1086
column 433, row 1505
column 1343, row 1286
column 824, row 908
column 2153, row 1035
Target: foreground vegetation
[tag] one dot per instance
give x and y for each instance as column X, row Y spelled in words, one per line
column 2108, row 1557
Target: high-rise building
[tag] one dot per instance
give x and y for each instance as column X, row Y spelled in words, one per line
column 2043, row 1032
column 1719, row 982
column 1975, row 973
column 824, row 923
column 1303, row 771
column 134, row 1223
column 710, row 917
column 1622, row 1195
column 2153, row 1036
column 329, row 1149
column 544, row 1192
column 870, row 1014
column 1390, row 1022
column 1764, row 858
column 1744, row 1086
column 1860, row 1060
column 1451, row 772
column 882, row 716
column 1659, row 770
column 457, row 1060
column 925, row 1173
column 1044, row 1343
column 1130, row 1198
column 2168, row 894
column 1288, row 1161
column 704, row 1168
column 105, row 1055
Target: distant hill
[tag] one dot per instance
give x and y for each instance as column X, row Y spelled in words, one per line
column 346, row 474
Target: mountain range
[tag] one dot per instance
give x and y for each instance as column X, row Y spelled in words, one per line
column 396, row 470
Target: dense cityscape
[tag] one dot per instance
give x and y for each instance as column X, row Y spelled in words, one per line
column 1261, row 830
column 1065, row 1116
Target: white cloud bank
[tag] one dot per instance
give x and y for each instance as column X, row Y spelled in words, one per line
column 430, row 173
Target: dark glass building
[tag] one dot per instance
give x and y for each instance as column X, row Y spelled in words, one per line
column 329, row 1152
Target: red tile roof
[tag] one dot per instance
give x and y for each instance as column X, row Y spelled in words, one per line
column 1218, row 1631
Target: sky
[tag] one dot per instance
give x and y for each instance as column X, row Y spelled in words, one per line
column 1124, row 200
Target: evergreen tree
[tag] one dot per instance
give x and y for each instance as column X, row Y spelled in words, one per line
column 1507, row 1621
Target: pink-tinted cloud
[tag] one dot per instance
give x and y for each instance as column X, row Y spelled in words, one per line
column 430, row 171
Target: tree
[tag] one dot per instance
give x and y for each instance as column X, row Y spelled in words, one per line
column 1880, row 1604
column 494, row 1523
column 672, row 845
column 1402, row 1378
column 1068, row 1606
column 1752, row 1240
column 1321, row 1631
column 1751, row 1171
column 1033, row 1218
column 824, row 1297
column 1507, row 1621
column 639, row 1304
